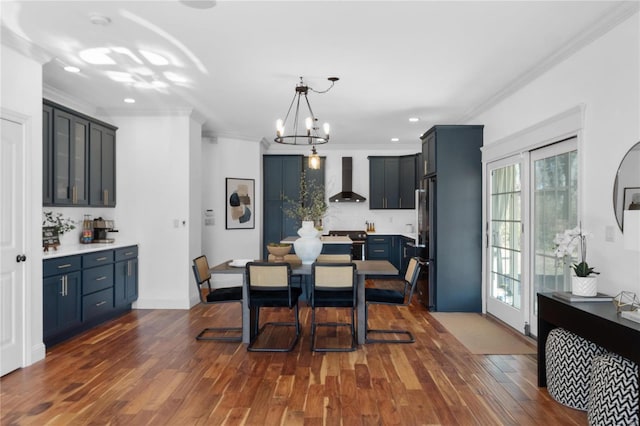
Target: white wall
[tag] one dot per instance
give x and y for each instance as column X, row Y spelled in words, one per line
column 21, row 88
column 153, row 206
column 229, row 158
column 605, row 78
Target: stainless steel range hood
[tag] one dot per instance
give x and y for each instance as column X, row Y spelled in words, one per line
column 347, row 195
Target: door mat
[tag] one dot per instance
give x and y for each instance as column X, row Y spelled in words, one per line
column 483, row 336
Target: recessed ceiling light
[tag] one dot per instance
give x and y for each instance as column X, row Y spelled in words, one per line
column 395, row 140
column 70, row 68
column 130, row 100
column 99, row 20
column 199, row 4
column 414, row 119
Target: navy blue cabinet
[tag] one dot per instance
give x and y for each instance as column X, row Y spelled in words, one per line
column 102, row 166
column 126, row 276
column 70, row 169
column 78, row 159
column 392, row 182
column 47, row 155
column 453, row 177
column 384, row 247
column 281, row 177
column 281, row 181
column 82, row 291
column 61, row 291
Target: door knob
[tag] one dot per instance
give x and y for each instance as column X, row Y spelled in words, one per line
column 21, row 258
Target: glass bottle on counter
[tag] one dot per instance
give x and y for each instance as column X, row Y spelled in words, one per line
column 87, row 230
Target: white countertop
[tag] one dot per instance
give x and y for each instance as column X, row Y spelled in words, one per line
column 73, row 249
column 413, row 236
column 326, row 239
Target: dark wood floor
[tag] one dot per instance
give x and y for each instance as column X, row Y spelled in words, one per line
column 147, row 368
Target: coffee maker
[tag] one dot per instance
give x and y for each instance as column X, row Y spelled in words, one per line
column 100, row 229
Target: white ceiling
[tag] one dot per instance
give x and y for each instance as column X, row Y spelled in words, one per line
column 240, row 61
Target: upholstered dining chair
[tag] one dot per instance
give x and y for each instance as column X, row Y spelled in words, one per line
column 269, row 286
column 210, row 296
column 334, row 258
column 393, row 297
column 333, row 285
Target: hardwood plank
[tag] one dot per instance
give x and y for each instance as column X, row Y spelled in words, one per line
column 147, row 368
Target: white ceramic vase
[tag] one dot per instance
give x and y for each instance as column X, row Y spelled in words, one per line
column 584, row 286
column 308, row 246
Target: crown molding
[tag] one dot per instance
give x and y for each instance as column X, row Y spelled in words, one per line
column 615, row 16
column 55, row 95
column 24, row 46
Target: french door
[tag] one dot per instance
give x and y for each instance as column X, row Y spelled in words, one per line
column 506, row 295
column 554, row 207
column 530, row 198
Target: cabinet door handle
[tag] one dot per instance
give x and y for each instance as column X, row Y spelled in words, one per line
column 66, row 265
column 129, row 253
column 105, row 197
column 129, row 268
column 62, row 285
column 74, row 195
column 101, row 278
column 378, row 251
column 101, row 259
column 101, row 303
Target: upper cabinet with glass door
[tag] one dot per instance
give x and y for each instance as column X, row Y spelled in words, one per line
column 70, row 168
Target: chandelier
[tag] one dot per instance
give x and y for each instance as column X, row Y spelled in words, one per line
column 308, row 136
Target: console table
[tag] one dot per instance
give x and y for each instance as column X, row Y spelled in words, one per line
column 597, row 322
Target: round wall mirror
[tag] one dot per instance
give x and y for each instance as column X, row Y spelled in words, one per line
column 626, row 188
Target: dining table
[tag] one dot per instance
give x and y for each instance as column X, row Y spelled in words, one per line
column 363, row 268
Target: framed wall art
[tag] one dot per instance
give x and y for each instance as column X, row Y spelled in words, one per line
column 240, row 205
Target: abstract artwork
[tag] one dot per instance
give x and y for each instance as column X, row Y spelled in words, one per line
column 240, row 208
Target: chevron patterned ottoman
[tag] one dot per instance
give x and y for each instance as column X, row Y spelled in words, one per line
column 569, row 358
column 613, row 396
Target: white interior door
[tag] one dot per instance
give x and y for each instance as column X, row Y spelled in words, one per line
column 554, row 208
column 506, row 296
column 12, row 245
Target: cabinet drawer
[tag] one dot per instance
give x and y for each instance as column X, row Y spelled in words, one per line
column 98, row 258
column 61, row 265
column 126, row 253
column 379, row 239
column 96, row 279
column 97, row 304
column 378, row 251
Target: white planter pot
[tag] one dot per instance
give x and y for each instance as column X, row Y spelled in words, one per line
column 308, row 246
column 584, row 286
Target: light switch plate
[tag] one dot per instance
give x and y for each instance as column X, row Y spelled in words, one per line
column 609, row 234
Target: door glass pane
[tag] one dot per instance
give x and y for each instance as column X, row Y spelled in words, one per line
column 506, row 225
column 79, row 157
column 555, row 186
column 62, row 161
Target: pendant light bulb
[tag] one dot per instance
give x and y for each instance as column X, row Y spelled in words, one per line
column 314, row 159
column 279, row 128
column 326, row 128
